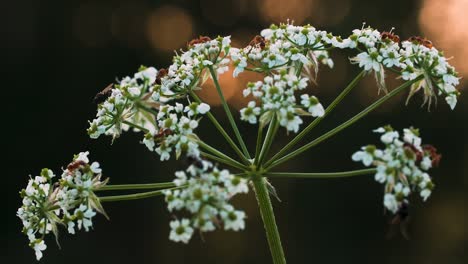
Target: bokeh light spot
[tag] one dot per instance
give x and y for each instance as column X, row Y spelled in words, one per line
column 445, row 23
column 169, row 28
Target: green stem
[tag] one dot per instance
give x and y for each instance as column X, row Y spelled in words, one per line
column 321, row 175
column 228, row 113
column 222, row 131
column 136, row 196
column 345, row 124
column 269, row 222
column 135, row 126
column 221, row 155
column 224, row 161
column 259, row 143
column 143, row 186
column 270, row 135
column 314, row 123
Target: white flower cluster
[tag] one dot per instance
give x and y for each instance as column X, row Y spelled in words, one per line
column 176, row 125
column 402, row 166
column 411, row 58
column 286, row 46
column 123, row 104
column 277, row 98
column 70, row 202
column 205, row 194
column 186, row 71
column 147, row 103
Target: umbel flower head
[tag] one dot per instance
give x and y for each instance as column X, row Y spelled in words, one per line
column 70, row 202
column 277, row 96
column 410, row 58
column 204, row 193
column 156, row 102
column 402, row 166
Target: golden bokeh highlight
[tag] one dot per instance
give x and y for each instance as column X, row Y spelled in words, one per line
column 446, row 24
column 232, row 88
column 276, row 11
column 169, row 28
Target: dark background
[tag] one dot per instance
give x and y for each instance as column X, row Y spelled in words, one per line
column 56, row 55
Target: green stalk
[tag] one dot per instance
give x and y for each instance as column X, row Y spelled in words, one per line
column 221, row 155
column 271, row 133
column 314, row 123
column 135, row 126
column 345, row 124
column 269, row 222
column 222, row 131
column 143, row 186
column 228, row 113
column 224, row 161
column 135, row 196
column 321, row 175
column 259, row 143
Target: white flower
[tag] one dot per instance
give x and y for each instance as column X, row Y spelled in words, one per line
column 390, row 202
column 181, row 231
column 389, row 136
column 250, row 113
column 411, row 138
column 368, row 60
column 203, row 108
column 149, row 73
column 451, row 100
column 83, row 156
column 39, row 246
column 289, row 120
column 313, row 105
column 236, row 185
column 425, row 194
column 366, row 155
column 426, row 163
column 233, row 220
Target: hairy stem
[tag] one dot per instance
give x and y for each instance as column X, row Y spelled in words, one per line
column 222, row 131
column 314, row 123
column 321, row 175
column 228, row 113
column 269, row 222
column 345, row 124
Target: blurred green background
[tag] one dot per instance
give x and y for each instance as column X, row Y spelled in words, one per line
column 59, row 54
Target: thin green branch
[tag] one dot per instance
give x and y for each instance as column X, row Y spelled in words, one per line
column 221, row 155
column 135, row 126
column 314, row 123
column 270, row 135
column 321, row 175
column 143, row 186
column 345, row 124
column 228, row 113
column 259, row 143
column 136, row 196
column 224, row 161
column 222, row 131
